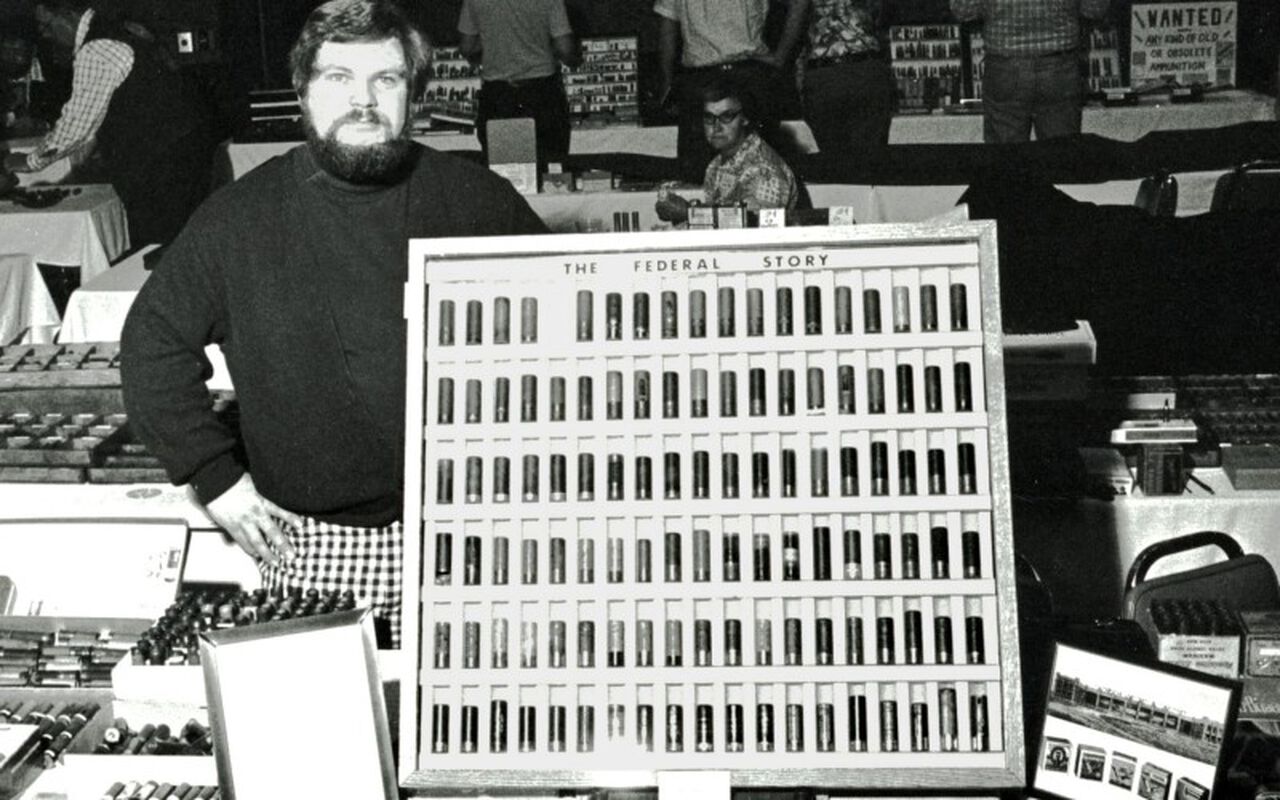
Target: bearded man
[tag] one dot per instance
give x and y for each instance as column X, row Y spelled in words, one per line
column 297, row 271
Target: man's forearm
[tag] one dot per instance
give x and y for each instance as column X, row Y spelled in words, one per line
column 668, row 50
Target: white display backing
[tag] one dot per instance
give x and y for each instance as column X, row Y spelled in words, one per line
column 279, row 691
column 150, row 554
column 601, row 535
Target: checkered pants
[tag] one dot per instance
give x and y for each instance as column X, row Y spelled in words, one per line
column 368, row 561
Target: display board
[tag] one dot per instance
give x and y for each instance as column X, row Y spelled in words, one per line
column 721, row 500
column 1188, row 44
column 604, row 89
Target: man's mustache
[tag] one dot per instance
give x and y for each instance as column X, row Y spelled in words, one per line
column 363, row 115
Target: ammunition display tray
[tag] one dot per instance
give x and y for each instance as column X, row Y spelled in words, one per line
column 40, row 365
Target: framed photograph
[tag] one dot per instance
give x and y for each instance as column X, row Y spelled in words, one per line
column 297, row 709
column 1116, row 729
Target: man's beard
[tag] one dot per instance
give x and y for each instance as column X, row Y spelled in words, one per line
column 364, row 163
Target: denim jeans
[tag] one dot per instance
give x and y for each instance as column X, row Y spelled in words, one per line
column 1044, row 92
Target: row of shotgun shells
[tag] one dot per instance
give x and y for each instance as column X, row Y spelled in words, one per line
column 819, row 480
column 173, row 639
column 156, row 790
column 121, row 739
column 872, row 318
column 912, row 651
column 758, row 406
column 938, row 557
column 733, row 732
column 56, row 725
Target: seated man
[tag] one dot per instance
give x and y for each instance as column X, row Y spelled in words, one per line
column 744, row 170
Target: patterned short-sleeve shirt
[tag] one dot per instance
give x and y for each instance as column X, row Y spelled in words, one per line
column 754, row 175
column 843, row 27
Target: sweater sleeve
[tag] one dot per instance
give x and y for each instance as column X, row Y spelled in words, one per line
column 163, row 368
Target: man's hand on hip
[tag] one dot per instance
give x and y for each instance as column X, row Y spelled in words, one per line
column 250, row 519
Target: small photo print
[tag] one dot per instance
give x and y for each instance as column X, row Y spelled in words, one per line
column 1090, row 762
column 1153, row 783
column 1122, row 770
column 1057, row 754
column 1190, row 790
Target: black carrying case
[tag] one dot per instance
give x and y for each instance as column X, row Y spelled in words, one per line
column 1242, row 582
column 1254, row 186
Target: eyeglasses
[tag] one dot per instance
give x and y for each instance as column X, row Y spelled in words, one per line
column 725, row 118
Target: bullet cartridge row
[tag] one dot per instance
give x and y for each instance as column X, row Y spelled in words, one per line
column 884, row 465
column 721, row 312
column 629, row 555
column 875, row 386
column 823, row 631
column 762, row 718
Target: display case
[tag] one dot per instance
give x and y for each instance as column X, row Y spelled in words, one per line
column 604, row 89
column 759, row 521
column 453, row 90
column 927, row 66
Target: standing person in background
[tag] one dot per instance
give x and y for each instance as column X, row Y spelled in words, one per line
column 1033, row 65
column 18, row 69
column 720, row 38
column 848, row 86
column 297, row 271
column 150, row 124
column 520, row 45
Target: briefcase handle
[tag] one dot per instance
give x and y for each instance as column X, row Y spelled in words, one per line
column 1257, row 164
column 1179, row 544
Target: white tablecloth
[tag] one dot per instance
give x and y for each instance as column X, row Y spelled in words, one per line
column 579, row 212
column 96, row 311
column 87, row 230
column 1124, row 124
column 918, row 203
column 27, row 312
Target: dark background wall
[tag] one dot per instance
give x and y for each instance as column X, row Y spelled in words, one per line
column 243, row 44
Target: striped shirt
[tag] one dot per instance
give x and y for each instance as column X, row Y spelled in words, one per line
column 99, row 68
column 1021, row 28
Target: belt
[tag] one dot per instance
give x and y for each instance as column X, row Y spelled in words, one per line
column 726, row 66
column 846, row 58
column 1071, row 51
column 529, row 81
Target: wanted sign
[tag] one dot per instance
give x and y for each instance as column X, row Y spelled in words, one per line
column 1183, row 43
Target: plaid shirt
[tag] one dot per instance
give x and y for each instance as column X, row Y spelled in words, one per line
column 99, row 69
column 843, row 27
column 1029, row 27
column 754, row 175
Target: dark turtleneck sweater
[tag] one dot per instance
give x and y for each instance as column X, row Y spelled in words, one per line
column 300, row 278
